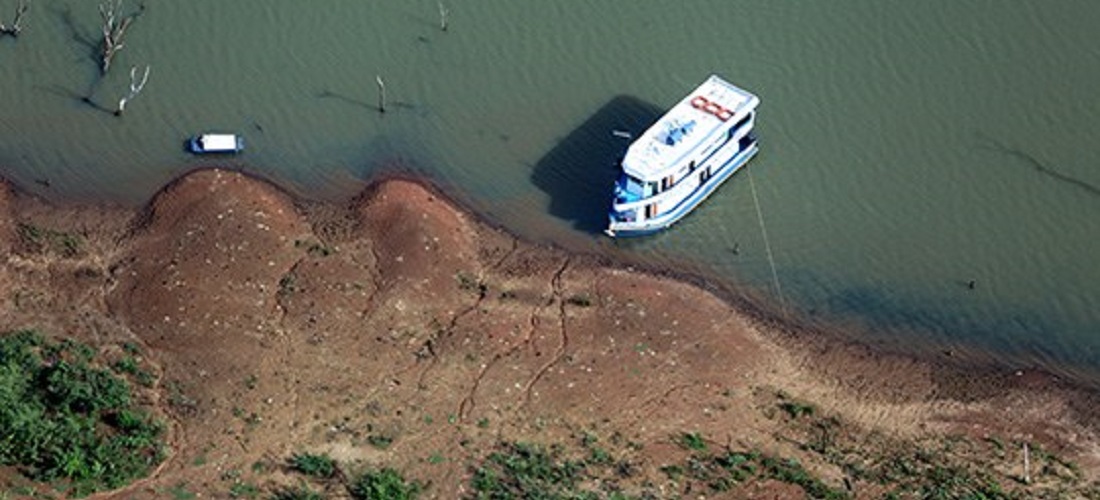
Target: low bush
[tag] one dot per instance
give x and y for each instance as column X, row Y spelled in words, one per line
column 69, row 422
column 522, row 470
column 320, row 466
column 382, row 484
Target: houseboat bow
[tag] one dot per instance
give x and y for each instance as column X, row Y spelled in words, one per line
column 683, row 158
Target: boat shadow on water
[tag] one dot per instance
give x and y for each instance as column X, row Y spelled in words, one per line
column 579, row 172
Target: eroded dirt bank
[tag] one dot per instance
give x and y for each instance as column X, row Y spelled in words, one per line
column 398, row 331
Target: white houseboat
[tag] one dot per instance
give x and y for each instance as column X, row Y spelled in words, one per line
column 680, row 160
column 216, row 143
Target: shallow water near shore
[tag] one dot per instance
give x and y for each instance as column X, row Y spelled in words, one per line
column 908, row 149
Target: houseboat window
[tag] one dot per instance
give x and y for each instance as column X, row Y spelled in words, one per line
column 666, row 183
column 740, row 124
column 746, row 141
column 651, row 189
column 633, row 186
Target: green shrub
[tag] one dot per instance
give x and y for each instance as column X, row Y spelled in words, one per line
column 66, row 420
column 320, row 466
column 693, row 441
column 522, row 470
column 38, row 239
column 382, row 484
column 797, row 409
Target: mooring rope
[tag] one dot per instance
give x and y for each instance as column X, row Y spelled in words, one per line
column 767, row 243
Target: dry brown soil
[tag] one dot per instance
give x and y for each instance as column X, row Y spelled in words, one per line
column 399, row 331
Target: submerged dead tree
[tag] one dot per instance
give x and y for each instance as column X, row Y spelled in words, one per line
column 21, row 7
column 381, row 94
column 135, row 88
column 443, row 12
column 114, row 28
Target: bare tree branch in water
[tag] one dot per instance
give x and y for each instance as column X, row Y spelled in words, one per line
column 1039, row 166
column 114, row 28
column 136, row 87
column 381, row 94
column 20, row 10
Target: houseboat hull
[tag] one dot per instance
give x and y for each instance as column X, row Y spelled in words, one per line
column 622, row 229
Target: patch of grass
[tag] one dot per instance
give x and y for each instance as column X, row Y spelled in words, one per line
column 797, row 409
column 721, row 472
column 922, row 473
column 39, row 240
column 287, row 284
column 130, row 365
column 483, row 423
column 823, row 436
column 380, row 441
column 382, row 484
column 179, row 400
column 314, row 248
column 470, row 283
column 253, row 420
column 314, row 465
column 244, row 490
column 674, row 472
column 599, row 456
column 692, row 441
column 67, row 421
column 522, row 470
column 579, row 300
column 790, row 471
column 145, row 378
column 179, row 492
column 319, row 250
column 300, row 492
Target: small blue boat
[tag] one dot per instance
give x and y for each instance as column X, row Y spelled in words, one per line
column 683, row 158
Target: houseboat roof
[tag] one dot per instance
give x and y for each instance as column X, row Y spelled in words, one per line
column 708, row 110
column 219, row 142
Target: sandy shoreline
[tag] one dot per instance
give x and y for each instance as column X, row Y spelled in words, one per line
column 399, row 311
